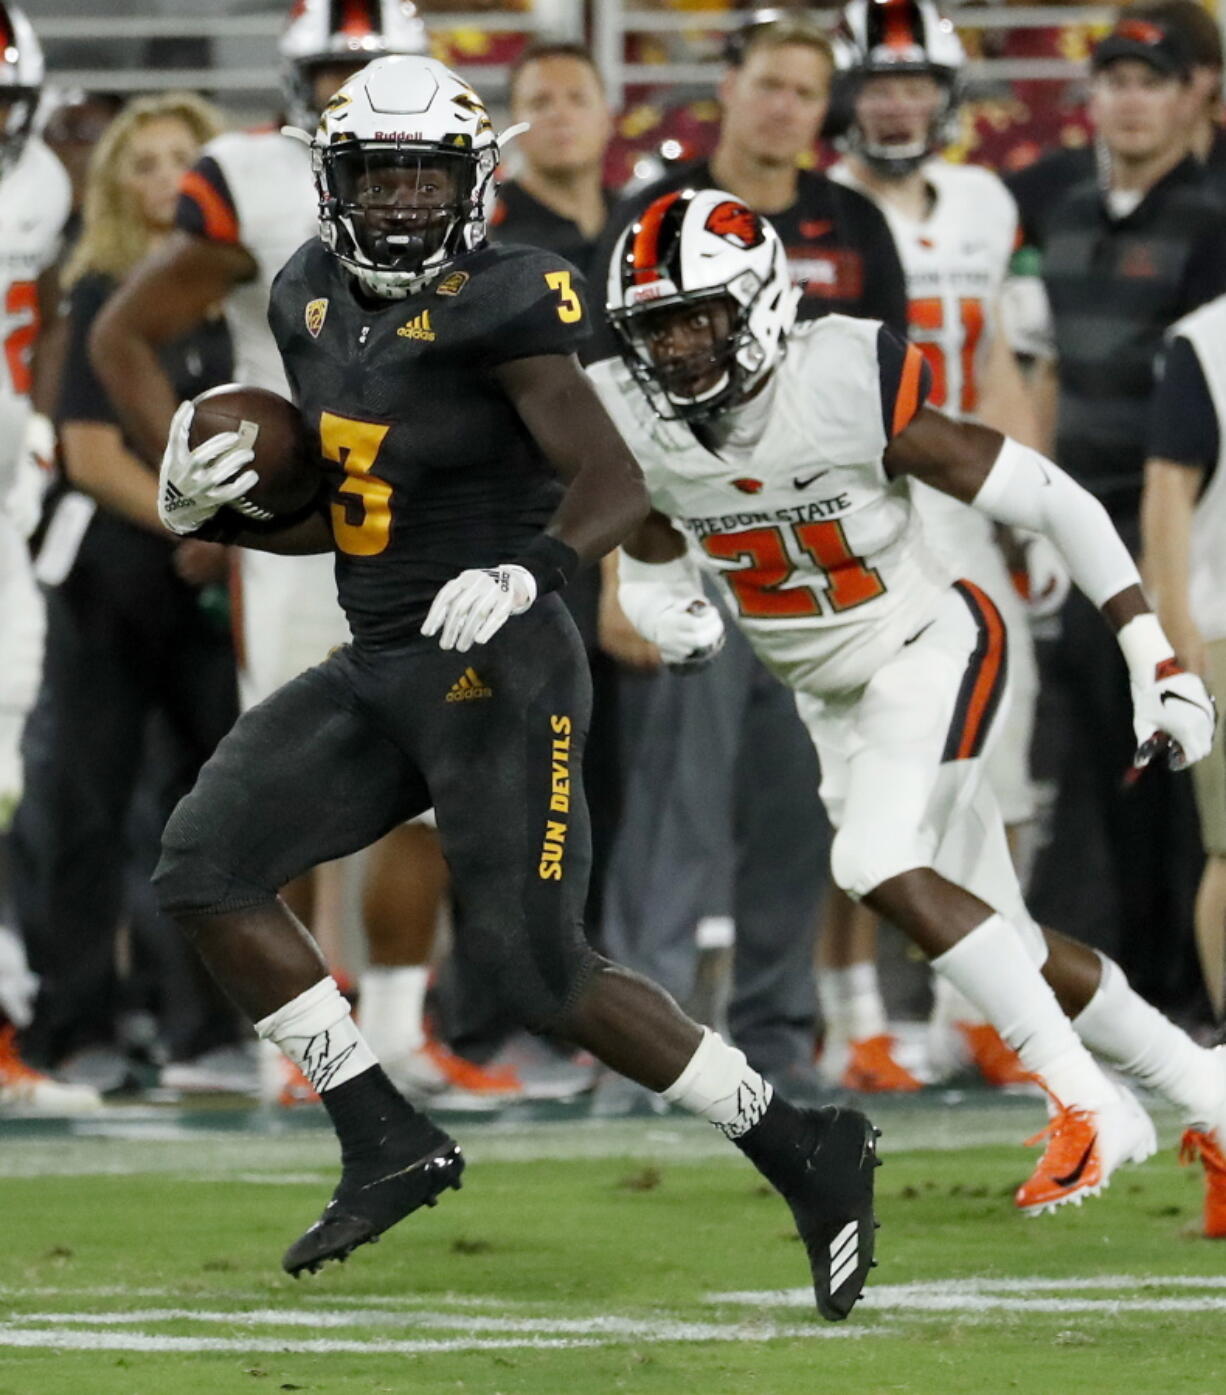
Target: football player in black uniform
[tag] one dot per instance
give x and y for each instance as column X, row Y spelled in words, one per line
column 469, row 470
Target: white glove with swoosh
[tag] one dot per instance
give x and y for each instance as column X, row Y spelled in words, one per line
column 1172, row 709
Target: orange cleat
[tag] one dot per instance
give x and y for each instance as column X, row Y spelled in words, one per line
column 295, row 1088
column 872, row 1069
column 1205, row 1146
column 992, row 1056
column 25, row 1088
column 462, row 1074
column 1084, row 1147
column 1070, row 1168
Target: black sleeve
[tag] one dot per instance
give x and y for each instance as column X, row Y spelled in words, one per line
column 543, row 309
column 82, row 396
column 885, row 286
column 905, row 379
column 1205, row 277
column 1183, row 424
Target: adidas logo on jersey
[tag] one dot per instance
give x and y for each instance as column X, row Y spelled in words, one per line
column 468, row 685
column 418, row 327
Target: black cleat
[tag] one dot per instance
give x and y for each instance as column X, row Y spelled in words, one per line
column 828, row 1182
column 377, row 1192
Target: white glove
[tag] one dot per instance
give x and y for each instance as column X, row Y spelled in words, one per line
column 686, row 629
column 475, row 605
column 33, row 474
column 1047, row 575
column 1172, row 709
column 194, row 484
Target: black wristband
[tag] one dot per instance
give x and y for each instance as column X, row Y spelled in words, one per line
column 223, row 527
column 551, row 562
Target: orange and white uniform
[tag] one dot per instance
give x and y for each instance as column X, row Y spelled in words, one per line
column 899, row 670
column 955, row 260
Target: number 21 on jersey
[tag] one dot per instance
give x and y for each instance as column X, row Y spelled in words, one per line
column 760, row 586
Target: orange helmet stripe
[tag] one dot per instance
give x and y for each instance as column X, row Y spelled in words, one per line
column 646, row 248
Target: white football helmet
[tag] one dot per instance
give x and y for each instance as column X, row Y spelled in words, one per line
column 877, row 37
column 404, row 161
column 21, row 81
column 320, row 32
column 688, row 248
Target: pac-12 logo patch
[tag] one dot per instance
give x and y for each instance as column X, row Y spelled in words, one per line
column 736, row 224
column 316, row 314
column 748, row 486
column 453, row 284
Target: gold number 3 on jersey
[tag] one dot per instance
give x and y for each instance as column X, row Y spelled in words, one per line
column 570, row 311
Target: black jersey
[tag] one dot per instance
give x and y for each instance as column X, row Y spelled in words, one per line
column 429, row 468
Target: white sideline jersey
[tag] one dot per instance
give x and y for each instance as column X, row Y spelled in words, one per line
column 254, row 189
column 35, row 199
column 955, row 261
column 1205, row 331
column 818, row 551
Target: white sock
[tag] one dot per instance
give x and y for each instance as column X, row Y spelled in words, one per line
column 851, row 1002
column 992, row 968
column 1121, row 1026
column 317, row 1033
column 721, row 1086
column 391, row 1000
column 950, row 1006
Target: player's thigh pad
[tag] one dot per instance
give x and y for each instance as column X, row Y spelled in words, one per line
column 503, row 730
column 304, row 777
column 912, row 753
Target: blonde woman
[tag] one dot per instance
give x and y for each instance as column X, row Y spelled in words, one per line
column 127, row 636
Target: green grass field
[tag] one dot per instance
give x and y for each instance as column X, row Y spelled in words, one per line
column 140, row 1257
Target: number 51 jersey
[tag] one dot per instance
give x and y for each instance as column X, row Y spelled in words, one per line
column 818, row 551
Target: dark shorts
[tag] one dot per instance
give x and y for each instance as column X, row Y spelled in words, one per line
column 493, row 739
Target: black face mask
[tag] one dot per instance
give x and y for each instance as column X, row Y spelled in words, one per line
column 403, row 206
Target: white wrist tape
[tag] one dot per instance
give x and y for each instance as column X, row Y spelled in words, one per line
column 38, row 438
column 1145, row 647
column 681, row 573
column 1026, row 490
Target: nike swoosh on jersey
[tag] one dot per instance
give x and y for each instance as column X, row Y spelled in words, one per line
column 922, row 630
column 1179, row 697
column 804, row 481
column 1075, row 1176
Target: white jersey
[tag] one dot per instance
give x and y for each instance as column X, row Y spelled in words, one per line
column 955, row 260
column 818, row 551
column 35, row 199
column 1205, row 331
column 266, row 201
column 255, row 189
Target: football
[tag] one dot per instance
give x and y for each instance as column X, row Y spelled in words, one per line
column 272, row 428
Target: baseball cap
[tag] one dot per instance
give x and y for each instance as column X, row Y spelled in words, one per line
column 1161, row 45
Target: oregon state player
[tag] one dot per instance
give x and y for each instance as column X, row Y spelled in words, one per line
column 34, row 205
column 955, row 226
column 470, row 470
column 789, row 477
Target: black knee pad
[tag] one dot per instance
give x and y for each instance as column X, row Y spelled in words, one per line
column 538, row 983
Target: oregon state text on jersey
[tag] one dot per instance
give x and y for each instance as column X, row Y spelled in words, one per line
column 34, row 201
column 818, row 550
column 430, row 468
